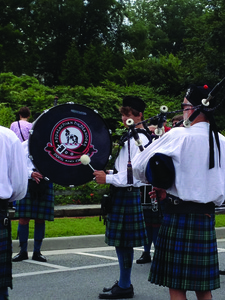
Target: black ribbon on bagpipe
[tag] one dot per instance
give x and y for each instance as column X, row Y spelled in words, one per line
column 212, row 129
column 126, row 137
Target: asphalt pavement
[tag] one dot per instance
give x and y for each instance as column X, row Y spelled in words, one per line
column 79, row 267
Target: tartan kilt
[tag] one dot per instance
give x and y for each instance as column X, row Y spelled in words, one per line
column 5, row 254
column 36, row 207
column 186, row 255
column 125, row 226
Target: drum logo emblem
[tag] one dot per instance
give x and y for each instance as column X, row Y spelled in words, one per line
column 70, row 138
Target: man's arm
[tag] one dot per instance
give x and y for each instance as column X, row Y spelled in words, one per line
column 18, row 171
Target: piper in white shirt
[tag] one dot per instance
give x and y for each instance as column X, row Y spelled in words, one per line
column 13, row 186
column 125, row 227
column 186, row 250
column 38, row 204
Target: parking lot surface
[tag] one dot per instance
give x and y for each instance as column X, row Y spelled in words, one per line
column 81, row 270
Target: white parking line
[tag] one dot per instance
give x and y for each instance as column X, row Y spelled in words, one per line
column 81, row 251
column 64, row 270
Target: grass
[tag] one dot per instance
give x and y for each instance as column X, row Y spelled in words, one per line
column 79, row 226
column 220, row 220
column 66, row 227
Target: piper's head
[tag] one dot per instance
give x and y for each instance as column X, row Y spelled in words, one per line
column 133, row 108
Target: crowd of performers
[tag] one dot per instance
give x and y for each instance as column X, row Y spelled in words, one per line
column 186, row 169
column 166, row 194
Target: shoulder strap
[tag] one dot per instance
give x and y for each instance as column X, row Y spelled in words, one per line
column 127, row 135
column 21, row 131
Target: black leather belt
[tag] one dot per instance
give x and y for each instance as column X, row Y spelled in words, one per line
column 4, row 204
column 4, row 212
column 176, row 205
column 128, row 188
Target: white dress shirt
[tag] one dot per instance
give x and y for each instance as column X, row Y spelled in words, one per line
column 189, row 150
column 13, row 168
column 30, row 166
column 120, row 179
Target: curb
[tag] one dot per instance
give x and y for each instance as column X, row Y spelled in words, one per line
column 78, row 242
column 63, row 243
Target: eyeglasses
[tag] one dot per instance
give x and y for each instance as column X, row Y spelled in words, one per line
column 183, row 105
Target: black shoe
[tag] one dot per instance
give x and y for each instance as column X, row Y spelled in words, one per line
column 105, row 289
column 20, row 256
column 118, row 293
column 222, row 272
column 39, row 257
column 145, row 258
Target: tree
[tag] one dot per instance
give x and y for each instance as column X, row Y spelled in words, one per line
column 40, row 34
column 204, row 46
column 164, row 74
column 158, row 26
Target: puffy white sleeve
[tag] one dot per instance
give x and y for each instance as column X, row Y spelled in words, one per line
column 18, row 171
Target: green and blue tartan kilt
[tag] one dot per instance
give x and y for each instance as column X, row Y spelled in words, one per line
column 5, row 254
column 36, row 207
column 125, row 226
column 186, row 255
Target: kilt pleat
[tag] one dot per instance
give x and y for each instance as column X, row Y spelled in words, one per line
column 6, row 255
column 125, row 226
column 33, row 208
column 186, row 255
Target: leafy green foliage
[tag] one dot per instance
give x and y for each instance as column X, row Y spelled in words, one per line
column 89, row 193
column 165, row 74
column 6, row 116
column 24, row 91
column 36, row 37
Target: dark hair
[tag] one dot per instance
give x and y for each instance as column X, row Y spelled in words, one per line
column 177, row 118
column 125, row 110
column 24, row 112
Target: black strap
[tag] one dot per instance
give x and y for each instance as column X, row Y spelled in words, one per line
column 129, row 135
column 21, row 131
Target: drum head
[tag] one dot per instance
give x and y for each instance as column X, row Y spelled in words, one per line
column 61, row 135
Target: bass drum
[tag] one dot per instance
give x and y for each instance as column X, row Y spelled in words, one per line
column 61, row 135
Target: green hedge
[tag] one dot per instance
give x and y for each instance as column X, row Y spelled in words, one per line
column 89, row 193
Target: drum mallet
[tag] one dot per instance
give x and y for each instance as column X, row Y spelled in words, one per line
column 85, row 160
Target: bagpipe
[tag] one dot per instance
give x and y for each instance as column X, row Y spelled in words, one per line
column 162, row 117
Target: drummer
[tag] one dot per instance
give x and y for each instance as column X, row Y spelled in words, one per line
column 125, row 227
